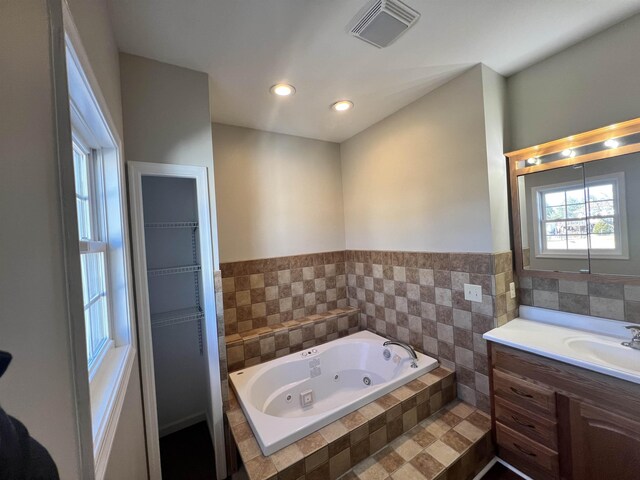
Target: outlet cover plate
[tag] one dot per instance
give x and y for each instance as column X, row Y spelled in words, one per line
column 472, row 292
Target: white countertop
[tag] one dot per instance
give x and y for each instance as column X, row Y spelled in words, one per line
column 588, row 342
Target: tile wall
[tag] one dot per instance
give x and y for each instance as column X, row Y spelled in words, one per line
column 222, row 345
column 616, row 301
column 260, row 293
column 418, row 298
column 415, row 297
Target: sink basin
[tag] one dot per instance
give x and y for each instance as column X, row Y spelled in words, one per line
column 609, row 353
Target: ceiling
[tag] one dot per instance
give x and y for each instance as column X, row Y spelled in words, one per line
column 248, row 45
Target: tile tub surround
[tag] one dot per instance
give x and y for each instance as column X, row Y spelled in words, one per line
column 334, row 449
column 266, row 343
column 418, row 298
column 222, row 346
column 260, row 293
column 615, row 301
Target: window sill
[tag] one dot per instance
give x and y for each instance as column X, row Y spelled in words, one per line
column 107, row 389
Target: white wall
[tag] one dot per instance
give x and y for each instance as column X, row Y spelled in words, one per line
column 277, row 194
column 166, row 119
column 589, row 85
column 418, row 179
column 38, row 388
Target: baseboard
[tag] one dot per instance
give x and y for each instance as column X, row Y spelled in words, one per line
column 514, row 469
column 486, row 468
column 182, row 423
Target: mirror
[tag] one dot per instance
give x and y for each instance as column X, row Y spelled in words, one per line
column 553, row 220
column 614, row 192
column 576, row 204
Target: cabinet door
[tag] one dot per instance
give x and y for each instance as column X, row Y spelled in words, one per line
column 604, row 445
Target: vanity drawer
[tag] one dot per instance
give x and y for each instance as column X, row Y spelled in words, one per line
column 523, row 393
column 526, row 454
column 535, row 427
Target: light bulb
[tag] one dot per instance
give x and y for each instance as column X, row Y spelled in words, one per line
column 342, row 106
column 283, row 89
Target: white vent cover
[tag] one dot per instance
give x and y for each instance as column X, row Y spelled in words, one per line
column 382, row 21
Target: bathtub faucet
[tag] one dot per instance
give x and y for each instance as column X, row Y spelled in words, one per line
column 408, row 348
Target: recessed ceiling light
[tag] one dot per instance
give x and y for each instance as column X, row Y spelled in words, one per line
column 342, row 106
column 568, row 153
column 283, row 89
column 611, row 143
column 533, row 161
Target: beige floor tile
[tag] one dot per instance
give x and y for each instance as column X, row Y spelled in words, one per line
column 435, row 427
column 402, row 393
column 333, row 431
column 286, row 457
column 371, row 410
column 468, row 430
column 407, row 472
column 442, row 453
column 405, row 447
column 369, row 469
column 249, row 449
column 461, row 409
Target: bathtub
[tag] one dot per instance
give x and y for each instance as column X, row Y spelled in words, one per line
column 290, row 397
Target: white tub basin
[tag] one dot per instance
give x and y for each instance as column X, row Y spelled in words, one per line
column 336, row 378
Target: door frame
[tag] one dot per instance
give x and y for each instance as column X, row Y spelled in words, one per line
column 137, row 170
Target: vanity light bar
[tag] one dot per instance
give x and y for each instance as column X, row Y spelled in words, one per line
column 573, row 152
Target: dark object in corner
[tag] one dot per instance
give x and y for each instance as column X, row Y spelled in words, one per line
column 21, row 457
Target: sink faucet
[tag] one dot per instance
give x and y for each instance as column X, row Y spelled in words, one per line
column 635, row 340
column 408, row 348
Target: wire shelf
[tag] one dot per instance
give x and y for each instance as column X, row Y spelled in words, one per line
column 171, row 225
column 156, row 272
column 177, row 317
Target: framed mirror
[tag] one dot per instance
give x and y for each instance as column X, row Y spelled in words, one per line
column 576, row 205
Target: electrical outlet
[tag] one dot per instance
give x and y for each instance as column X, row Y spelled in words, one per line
column 473, row 292
column 512, row 289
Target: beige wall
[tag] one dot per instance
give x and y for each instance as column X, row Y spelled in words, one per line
column 277, row 194
column 166, row 118
column 589, row 85
column 128, row 454
column 418, row 180
column 496, row 130
column 39, row 387
column 128, row 459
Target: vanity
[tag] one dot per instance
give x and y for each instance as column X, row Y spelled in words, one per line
column 559, row 410
column 565, row 391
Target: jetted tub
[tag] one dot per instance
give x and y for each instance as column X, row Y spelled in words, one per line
column 290, row 397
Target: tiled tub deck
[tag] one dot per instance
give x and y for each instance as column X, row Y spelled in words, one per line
column 413, row 435
column 266, row 343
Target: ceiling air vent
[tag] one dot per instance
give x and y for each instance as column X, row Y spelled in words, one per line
column 382, row 21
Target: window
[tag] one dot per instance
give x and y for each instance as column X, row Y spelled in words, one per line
column 90, row 205
column 105, row 270
column 573, row 218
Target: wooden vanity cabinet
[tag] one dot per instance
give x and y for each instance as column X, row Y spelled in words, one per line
column 555, row 421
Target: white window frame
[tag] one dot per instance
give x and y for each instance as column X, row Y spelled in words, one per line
column 621, row 251
column 93, row 126
column 99, row 227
